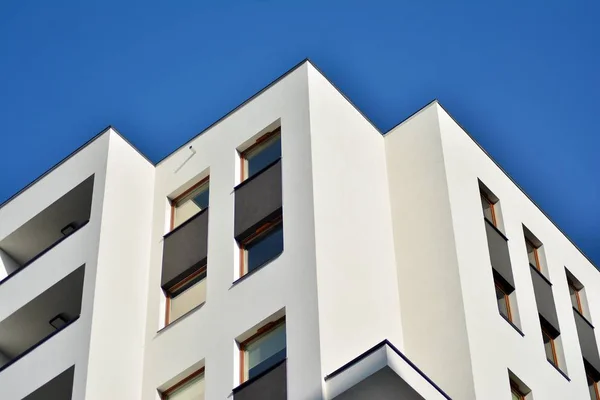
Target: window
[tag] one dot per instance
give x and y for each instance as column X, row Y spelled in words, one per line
column 533, row 254
column 186, row 295
column 516, row 392
column 262, row 247
column 190, row 388
column 265, row 151
column 593, row 386
column 549, row 345
column 190, row 203
column 488, row 206
column 575, row 296
column 502, row 297
column 263, row 350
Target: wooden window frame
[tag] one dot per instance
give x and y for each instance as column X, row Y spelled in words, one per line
column 537, row 265
column 173, row 202
column 577, row 295
column 262, row 331
column 164, row 395
column 506, row 299
column 552, row 345
column 515, row 390
column 260, row 232
column 259, row 142
column 595, row 385
column 492, row 204
column 176, row 286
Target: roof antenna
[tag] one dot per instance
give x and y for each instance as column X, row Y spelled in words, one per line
column 187, row 159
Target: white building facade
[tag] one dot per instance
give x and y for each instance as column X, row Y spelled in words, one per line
column 292, row 251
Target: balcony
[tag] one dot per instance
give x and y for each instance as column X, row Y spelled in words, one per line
column 185, row 249
column 587, row 340
column 499, row 255
column 257, row 199
column 46, row 230
column 544, row 298
column 40, row 319
column 269, row 385
column 59, row 388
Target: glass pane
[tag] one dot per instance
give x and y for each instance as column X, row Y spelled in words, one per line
column 187, row 300
column 548, row 348
column 487, row 209
column 574, row 297
column 531, row 254
column 592, row 390
column 265, row 248
column 515, row 395
column 502, row 305
column 263, row 156
column 192, row 390
column 266, row 351
column 190, row 206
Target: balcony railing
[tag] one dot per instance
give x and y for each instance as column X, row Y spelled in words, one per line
column 587, row 340
column 269, row 385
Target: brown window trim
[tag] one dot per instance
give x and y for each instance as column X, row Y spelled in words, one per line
column 577, row 295
column 262, row 230
column 166, row 393
column 595, row 384
column 177, row 286
column 515, row 390
column 263, row 330
column 252, row 147
column 506, row 299
column 537, row 265
column 485, row 197
column 174, row 201
column 554, row 360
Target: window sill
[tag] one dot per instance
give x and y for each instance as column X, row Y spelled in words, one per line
column 170, row 324
column 243, row 277
column 559, row 370
column 513, row 325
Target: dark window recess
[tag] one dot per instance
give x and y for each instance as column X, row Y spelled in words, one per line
column 264, row 248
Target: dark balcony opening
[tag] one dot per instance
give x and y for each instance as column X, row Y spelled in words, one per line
column 59, row 388
column 40, row 319
column 47, row 229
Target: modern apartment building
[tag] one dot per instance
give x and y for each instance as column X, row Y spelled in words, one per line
column 292, row 251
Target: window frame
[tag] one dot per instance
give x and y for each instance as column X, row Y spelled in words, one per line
column 169, row 295
column 179, row 199
column 577, row 295
column 260, row 232
column 260, row 332
column 164, row 395
column 514, row 388
column 594, row 384
column 486, row 198
column 538, row 264
column 499, row 286
column 262, row 140
column 552, row 345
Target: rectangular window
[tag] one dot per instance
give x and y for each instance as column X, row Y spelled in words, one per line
column 575, row 296
column 264, row 246
column 186, row 295
column 263, row 350
column 533, row 254
column 516, row 393
column 549, row 346
column 593, row 387
column 488, row 206
column 266, row 150
column 190, row 388
column 190, row 203
column 502, row 297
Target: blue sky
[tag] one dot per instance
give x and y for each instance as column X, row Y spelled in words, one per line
column 522, row 77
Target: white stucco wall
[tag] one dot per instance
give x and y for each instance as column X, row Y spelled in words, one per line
column 495, row 345
column 117, row 331
column 356, row 274
column 432, row 305
column 206, row 336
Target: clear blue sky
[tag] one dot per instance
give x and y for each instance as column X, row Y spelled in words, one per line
column 522, row 77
